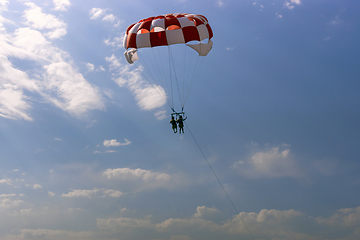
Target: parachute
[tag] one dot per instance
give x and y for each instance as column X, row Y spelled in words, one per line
column 158, row 47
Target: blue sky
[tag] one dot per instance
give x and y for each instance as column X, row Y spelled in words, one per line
column 87, row 151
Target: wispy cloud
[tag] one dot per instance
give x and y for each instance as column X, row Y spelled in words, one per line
column 220, row 3
column 96, row 192
column 141, row 179
column 336, row 21
column 97, row 13
column 291, row 4
column 115, row 143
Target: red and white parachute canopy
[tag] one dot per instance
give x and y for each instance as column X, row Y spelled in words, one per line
column 164, row 30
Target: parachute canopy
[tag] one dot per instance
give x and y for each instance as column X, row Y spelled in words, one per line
column 169, row 29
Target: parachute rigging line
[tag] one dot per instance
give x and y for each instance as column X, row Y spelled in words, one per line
column 217, row 178
column 193, row 78
column 171, row 63
column 152, row 85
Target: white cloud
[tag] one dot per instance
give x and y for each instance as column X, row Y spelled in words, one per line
column 12, row 103
column 3, row 5
column 6, row 181
column 131, row 174
column 272, row 163
column 112, row 193
column 263, row 225
column 337, row 21
column 81, row 193
column 56, row 79
column 160, row 115
column 114, row 143
column 7, row 195
column 39, row 20
column 61, row 5
column 7, row 203
column 109, row 18
column 51, row 194
column 75, row 94
column 290, row 5
column 90, row 67
column 111, row 151
column 53, row 234
column 203, row 212
column 95, row 13
column 93, row 193
column 121, row 224
column 141, row 179
column 220, row 3
column 37, row 186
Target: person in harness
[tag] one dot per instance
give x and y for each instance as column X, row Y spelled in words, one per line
column 180, row 121
column 174, row 124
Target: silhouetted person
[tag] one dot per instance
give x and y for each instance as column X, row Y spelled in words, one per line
column 181, row 123
column 174, row 124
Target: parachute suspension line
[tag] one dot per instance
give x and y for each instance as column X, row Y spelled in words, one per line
column 194, row 76
column 161, row 73
column 217, row 178
column 152, row 85
column 171, row 62
column 184, row 72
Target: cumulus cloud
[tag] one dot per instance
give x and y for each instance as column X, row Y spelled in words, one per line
column 55, row 79
column 51, row 194
column 90, row 67
column 272, row 163
column 203, row 212
column 263, row 225
column 37, row 186
column 39, row 20
column 61, row 5
column 115, row 143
